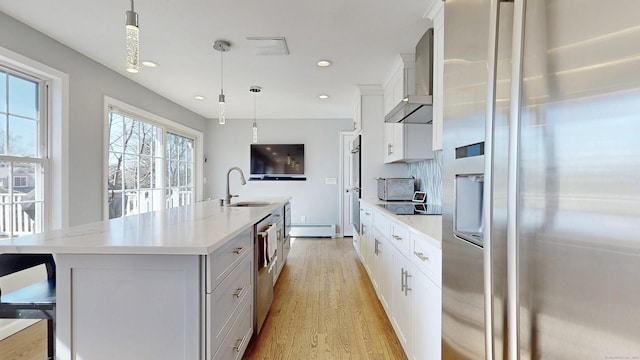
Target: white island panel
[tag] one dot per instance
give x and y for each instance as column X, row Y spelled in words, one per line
column 128, row 307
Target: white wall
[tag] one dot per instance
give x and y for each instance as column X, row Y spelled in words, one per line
column 228, row 146
column 89, row 82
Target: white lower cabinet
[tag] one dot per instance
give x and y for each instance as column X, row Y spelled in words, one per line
column 405, row 269
column 385, row 294
column 427, row 306
column 375, row 263
column 402, row 300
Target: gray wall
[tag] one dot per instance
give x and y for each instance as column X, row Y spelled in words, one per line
column 89, row 82
column 228, row 146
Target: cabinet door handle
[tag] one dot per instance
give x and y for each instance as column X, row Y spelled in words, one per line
column 238, row 250
column 389, row 147
column 375, row 250
column 238, row 292
column 421, row 256
column 402, row 284
column 406, row 282
column 238, row 345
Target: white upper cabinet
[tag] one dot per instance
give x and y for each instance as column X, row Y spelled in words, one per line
column 401, row 81
column 407, row 142
column 357, row 117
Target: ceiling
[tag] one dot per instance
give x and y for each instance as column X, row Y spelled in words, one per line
column 361, row 37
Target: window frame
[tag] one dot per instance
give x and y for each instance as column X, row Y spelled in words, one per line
column 112, row 104
column 17, row 66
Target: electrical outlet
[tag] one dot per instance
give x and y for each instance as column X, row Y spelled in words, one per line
column 303, row 218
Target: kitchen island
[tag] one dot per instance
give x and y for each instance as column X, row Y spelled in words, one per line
column 154, row 286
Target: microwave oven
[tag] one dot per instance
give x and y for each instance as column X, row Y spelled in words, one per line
column 399, row 189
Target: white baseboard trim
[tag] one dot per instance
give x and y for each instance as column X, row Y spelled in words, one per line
column 9, row 327
column 313, row 230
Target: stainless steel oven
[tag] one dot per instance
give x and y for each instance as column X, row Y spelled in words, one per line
column 356, row 153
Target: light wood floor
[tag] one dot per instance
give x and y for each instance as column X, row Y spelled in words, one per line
column 324, row 308
column 28, row 344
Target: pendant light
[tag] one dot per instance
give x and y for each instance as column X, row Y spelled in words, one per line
column 222, row 46
column 133, row 43
column 255, row 90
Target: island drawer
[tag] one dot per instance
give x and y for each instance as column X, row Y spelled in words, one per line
column 235, row 344
column 222, row 261
column 225, row 301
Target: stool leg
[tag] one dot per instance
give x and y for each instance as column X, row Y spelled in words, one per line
column 51, row 339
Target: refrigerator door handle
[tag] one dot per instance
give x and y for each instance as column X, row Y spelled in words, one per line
column 487, row 201
column 513, row 292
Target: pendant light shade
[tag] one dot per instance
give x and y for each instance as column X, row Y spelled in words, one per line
column 133, row 41
column 254, row 129
column 222, row 46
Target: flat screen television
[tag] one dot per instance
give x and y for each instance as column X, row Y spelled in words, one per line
column 277, row 160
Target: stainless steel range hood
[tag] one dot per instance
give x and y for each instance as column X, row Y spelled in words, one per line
column 417, row 109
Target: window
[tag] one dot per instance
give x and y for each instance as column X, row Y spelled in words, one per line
column 150, row 165
column 20, row 181
column 180, row 168
column 23, row 154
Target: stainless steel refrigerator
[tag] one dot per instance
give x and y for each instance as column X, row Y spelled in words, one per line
column 541, row 180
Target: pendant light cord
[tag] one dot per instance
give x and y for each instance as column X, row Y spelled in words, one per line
column 255, row 95
column 221, row 71
column 132, row 5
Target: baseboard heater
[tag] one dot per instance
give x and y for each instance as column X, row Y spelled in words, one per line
column 313, row 230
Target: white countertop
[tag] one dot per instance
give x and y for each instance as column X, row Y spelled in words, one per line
column 430, row 225
column 196, row 229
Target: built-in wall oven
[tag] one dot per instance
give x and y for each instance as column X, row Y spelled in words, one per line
column 354, row 189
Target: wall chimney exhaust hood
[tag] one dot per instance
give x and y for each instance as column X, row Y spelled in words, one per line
column 417, row 109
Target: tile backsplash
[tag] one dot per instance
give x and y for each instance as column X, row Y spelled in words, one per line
column 428, row 174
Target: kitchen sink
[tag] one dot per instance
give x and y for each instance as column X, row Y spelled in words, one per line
column 249, row 204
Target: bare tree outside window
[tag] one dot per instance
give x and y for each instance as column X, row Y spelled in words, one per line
column 136, row 160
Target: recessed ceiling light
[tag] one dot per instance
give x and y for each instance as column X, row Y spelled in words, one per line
column 199, row 97
column 323, row 96
column 324, row 63
column 150, row 64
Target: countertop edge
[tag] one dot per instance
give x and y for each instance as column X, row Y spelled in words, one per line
column 54, row 241
column 428, row 225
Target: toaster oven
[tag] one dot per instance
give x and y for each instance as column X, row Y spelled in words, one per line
column 400, row 189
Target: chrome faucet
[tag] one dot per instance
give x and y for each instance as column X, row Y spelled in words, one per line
column 244, row 182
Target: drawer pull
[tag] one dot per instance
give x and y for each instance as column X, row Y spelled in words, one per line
column 238, row 292
column 397, row 237
column 238, row 345
column 238, row 250
column 421, row 256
